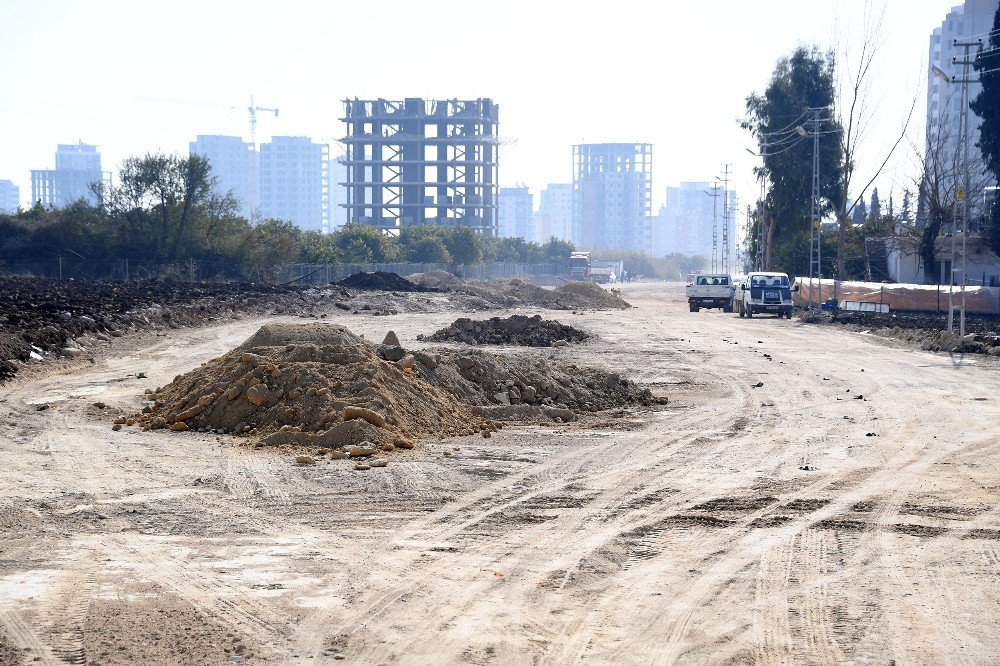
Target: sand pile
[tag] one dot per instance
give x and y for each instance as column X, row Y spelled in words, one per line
column 516, row 330
column 311, row 384
column 380, row 281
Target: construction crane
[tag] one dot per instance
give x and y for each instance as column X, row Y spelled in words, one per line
column 252, row 110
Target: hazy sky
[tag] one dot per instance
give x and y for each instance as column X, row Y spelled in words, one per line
column 134, row 76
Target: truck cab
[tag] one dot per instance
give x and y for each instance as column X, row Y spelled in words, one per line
column 764, row 292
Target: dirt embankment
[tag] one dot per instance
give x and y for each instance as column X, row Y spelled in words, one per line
column 321, row 386
column 927, row 331
column 514, row 330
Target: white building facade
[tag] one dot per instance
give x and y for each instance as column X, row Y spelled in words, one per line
column 78, row 167
column 515, row 214
column 234, row 162
column 294, row 182
column 554, row 218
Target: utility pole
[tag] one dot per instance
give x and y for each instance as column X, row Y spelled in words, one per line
column 725, row 219
column 815, row 230
column 715, row 225
column 961, row 194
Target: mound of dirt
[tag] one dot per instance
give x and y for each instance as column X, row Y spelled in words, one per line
column 570, row 296
column 436, row 279
column 380, row 281
column 593, row 295
column 320, row 385
column 305, row 384
column 484, row 379
column 516, row 330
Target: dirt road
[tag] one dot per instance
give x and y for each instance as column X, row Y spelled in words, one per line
column 846, row 510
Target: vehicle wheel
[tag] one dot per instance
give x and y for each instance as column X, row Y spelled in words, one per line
column 749, row 310
column 693, row 308
column 788, row 315
column 727, row 308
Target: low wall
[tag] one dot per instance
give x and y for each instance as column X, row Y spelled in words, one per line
column 908, row 297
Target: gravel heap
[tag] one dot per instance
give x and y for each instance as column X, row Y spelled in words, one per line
column 514, row 330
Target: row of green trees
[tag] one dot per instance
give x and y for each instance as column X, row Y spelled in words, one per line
column 168, row 210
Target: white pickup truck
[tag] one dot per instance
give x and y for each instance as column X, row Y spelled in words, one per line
column 764, row 292
column 711, row 290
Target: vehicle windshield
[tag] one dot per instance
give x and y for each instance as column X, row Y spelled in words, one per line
column 769, row 281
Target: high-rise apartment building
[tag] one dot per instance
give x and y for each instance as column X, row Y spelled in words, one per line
column 10, row 197
column 516, row 206
column 688, row 216
column 234, row 163
column 968, row 22
column 554, row 218
column 612, row 196
column 338, row 193
column 294, row 182
column 78, row 166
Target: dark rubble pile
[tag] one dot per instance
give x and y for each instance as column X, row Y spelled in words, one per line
column 514, row 330
column 381, row 281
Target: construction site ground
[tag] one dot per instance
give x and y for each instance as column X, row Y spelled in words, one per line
column 809, row 494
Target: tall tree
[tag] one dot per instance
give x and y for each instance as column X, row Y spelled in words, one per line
column 875, row 211
column 800, row 82
column 860, row 214
column 987, row 107
column 906, row 213
column 161, row 204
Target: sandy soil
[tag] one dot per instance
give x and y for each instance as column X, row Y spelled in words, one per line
column 739, row 524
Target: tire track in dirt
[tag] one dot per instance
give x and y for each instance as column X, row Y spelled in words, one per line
column 573, row 467
column 207, row 592
column 21, row 635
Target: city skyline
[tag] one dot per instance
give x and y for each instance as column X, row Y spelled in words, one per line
column 691, row 140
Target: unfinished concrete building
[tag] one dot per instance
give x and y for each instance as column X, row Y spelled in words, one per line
column 417, row 161
column 612, row 196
